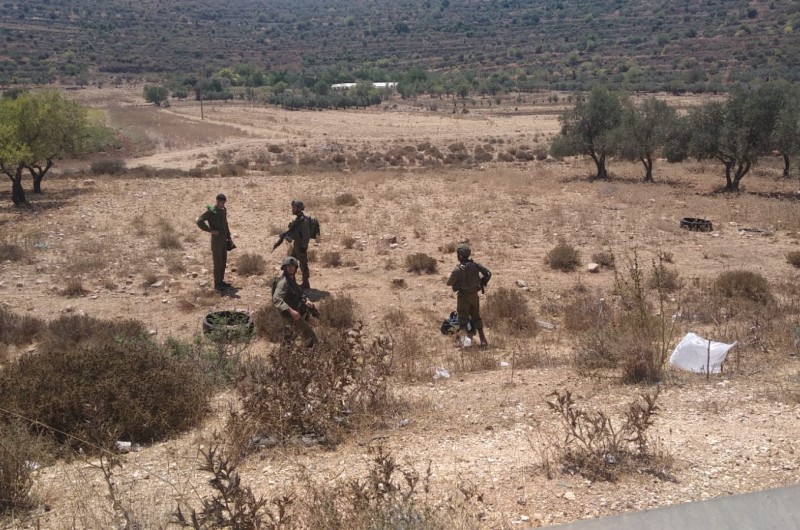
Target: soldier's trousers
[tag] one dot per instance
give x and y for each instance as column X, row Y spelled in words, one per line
column 219, row 253
column 469, row 305
column 301, row 325
column 301, row 255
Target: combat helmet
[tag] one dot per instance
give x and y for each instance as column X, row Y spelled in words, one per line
column 463, row 251
column 299, row 205
column 289, row 260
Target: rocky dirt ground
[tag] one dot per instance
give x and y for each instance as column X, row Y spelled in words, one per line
column 491, row 428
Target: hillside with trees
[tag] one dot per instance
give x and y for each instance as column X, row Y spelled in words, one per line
column 511, row 44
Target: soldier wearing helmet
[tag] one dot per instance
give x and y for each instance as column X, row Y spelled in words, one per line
column 289, row 299
column 300, row 233
column 467, row 279
column 215, row 221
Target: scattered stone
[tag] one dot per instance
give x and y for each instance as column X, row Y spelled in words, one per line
column 20, row 285
column 194, row 274
column 593, row 267
column 404, row 423
column 152, row 332
column 31, row 349
column 159, row 283
column 549, row 326
column 389, row 239
column 89, row 182
column 441, row 373
column 398, row 282
column 394, row 245
column 570, row 496
column 521, row 283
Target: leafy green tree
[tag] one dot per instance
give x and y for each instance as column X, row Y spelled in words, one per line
column 39, row 129
column 786, row 135
column 155, row 94
column 590, row 128
column 736, row 132
column 643, row 130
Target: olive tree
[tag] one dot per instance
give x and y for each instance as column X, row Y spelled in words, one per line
column 643, row 130
column 786, row 134
column 38, row 129
column 736, row 132
column 155, row 94
column 590, row 128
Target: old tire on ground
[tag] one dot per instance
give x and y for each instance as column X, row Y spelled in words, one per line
column 697, row 225
column 229, row 324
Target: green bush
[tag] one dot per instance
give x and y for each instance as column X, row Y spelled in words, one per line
column 604, row 259
column 563, row 257
column 421, row 262
column 743, row 284
column 269, row 323
column 95, row 382
column 18, row 451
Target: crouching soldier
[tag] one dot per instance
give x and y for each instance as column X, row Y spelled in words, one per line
column 293, row 305
column 467, row 279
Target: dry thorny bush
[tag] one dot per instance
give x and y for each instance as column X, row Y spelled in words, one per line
column 316, row 393
column 600, row 448
column 388, row 497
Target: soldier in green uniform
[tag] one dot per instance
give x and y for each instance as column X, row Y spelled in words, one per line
column 293, row 305
column 300, row 233
column 215, row 221
column 467, row 279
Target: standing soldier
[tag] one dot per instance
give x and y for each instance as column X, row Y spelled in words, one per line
column 467, row 279
column 215, row 221
column 300, row 233
column 293, row 305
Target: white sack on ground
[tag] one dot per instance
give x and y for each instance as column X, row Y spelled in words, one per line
column 692, row 354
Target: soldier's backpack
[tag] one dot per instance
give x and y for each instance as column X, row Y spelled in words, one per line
column 313, row 227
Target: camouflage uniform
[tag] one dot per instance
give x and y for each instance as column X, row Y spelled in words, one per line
column 217, row 219
column 467, row 279
column 300, row 233
column 287, row 295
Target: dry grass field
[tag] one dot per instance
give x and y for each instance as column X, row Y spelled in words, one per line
column 487, row 429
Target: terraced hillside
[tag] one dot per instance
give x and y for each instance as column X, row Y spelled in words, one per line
column 561, row 44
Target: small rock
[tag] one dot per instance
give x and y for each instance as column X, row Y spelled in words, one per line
column 521, row 283
column 152, row 332
column 593, row 267
column 394, row 245
column 441, row 373
column 31, row 349
column 390, row 239
column 20, row 285
column 159, row 283
column 546, row 325
column 404, row 423
column 194, row 274
column 570, row 496
column 89, row 182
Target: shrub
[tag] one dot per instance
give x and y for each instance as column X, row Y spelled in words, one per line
column 599, row 448
column 338, row 312
column 250, row 264
column 108, row 166
column 586, row 313
column 74, row 288
column 16, row 329
column 563, row 257
column 90, row 387
column 167, row 238
column 449, row 248
column 508, row 310
column 269, row 323
column 664, row 278
column 346, row 199
column 348, row 242
column 792, row 257
column 11, row 252
column 342, row 382
column 604, row 259
column 18, row 451
column 331, row 259
column 421, row 262
column 743, row 284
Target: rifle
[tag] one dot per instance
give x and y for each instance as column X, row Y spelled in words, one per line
column 281, row 238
